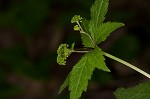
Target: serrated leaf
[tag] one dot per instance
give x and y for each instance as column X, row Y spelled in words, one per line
column 97, row 59
column 84, row 25
column 79, row 77
column 65, row 84
column 83, row 70
column 141, row 91
column 85, row 39
column 104, row 30
column 98, row 12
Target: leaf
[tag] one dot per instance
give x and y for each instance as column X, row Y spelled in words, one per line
column 79, row 77
column 104, row 31
column 141, row 91
column 84, row 25
column 83, row 70
column 97, row 59
column 98, row 12
column 85, row 39
column 65, row 84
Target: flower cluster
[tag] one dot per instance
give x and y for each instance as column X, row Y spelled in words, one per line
column 63, row 52
column 76, row 19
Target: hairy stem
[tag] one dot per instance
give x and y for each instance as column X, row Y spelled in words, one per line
column 127, row 64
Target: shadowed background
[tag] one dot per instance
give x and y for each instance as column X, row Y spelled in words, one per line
column 32, row 30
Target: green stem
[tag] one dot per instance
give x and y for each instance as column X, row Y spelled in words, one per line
column 111, row 56
column 127, row 64
column 80, row 26
column 82, row 32
column 80, row 51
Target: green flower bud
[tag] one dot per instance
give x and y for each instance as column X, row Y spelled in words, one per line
column 76, row 18
column 76, row 28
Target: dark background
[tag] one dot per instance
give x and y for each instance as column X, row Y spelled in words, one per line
column 32, row 30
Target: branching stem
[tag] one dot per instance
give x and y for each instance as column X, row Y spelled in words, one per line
column 109, row 55
column 118, row 60
column 82, row 32
column 80, row 26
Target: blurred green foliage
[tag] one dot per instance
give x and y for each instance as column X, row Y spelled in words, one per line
column 26, row 16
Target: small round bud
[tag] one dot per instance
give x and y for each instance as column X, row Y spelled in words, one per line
column 76, row 28
column 76, row 18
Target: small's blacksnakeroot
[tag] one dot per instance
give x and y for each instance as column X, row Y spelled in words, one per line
column 93, row 32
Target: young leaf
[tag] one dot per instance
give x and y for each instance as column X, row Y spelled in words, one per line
column 65, row 84
column 141, row 91
column 104, row 30
column 83, row 70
